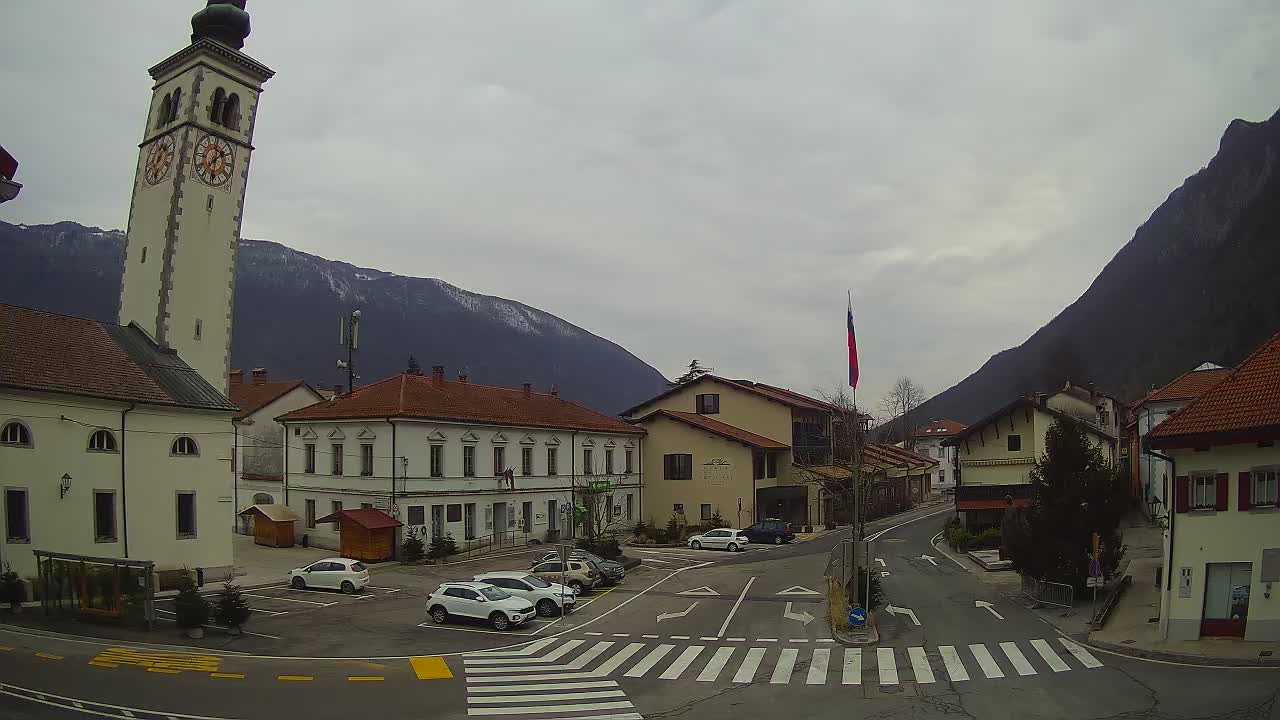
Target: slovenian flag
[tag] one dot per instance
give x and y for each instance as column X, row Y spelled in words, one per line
column 853, row 350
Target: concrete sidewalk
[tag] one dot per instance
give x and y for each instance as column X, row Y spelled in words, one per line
column 257, row 565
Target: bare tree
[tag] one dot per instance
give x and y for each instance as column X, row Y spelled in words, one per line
column 900, row 402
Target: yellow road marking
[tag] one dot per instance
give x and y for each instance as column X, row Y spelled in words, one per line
column 294, row 677
column 5, row 647
column 231, row 676
column 430, row 668
column 47, row 656
column 95, row 663
column 365, row 678
column 166, row 671
column 165, row 660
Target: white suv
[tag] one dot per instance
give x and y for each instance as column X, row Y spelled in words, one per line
column 546, row 597
column 480, row 601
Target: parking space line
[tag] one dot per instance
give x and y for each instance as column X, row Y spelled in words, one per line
column 284, row 599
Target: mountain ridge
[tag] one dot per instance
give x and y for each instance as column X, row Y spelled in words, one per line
column 288, row 302
column 1194, row 278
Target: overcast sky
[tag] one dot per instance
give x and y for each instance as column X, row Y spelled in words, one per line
column 688, row 179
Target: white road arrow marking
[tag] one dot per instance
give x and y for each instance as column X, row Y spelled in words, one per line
column 803, row 616
column 702, row 591
column 902, row 611
column 881, row 561
column 987, row 605
column 798, row 590
column 668, row 616
column 930, row 559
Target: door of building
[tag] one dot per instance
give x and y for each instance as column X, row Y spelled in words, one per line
column 469, row 521
column 553, row 516
column 1226, row 599
column 526, row 517
column 437, row 521
column 499, row 521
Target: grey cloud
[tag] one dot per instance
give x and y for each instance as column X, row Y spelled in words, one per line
column 688, row 179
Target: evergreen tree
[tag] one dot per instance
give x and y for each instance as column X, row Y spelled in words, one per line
column 1075, row 493
column 442, row 547
column 695, row 371
column 191, row 610
column 412, row 548
column 231, row 609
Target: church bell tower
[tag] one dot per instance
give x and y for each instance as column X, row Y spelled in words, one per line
column 188, row 192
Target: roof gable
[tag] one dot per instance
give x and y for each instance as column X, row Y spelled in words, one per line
column 1242, row 407
column 723, row 429
column 790, row 398
column 252, row 397
column 1018, row 404
column 1187, row 386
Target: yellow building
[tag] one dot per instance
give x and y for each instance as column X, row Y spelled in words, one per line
column 730, row 447
column 1222, row 572
column 995, row 455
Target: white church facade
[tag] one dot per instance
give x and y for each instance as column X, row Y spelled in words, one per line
column 116, row 439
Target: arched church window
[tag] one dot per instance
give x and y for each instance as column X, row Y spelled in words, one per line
column 102, row 441
column 231, row 113
column 215, row 110
column 165, row 105
column 173, row 108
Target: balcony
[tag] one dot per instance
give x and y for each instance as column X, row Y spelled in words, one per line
column 993, row 493
column 811, row 455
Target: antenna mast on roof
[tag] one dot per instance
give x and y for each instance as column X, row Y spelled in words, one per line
column 349, row 336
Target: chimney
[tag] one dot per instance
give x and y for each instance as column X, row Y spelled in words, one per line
column 555, row 391
column 237, row 377
column 1041, row 399
column 462, row 378
column 259, row 376
column 528, row 389
column 437, row 375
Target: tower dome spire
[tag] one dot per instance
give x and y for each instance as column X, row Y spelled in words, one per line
column 223, row 20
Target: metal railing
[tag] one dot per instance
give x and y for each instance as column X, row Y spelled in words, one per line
column 1043, row 592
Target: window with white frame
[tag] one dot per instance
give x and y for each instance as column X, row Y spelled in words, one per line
column 309, row 458
column 588, row 463
column 183, row 445
column 1204, row 492
column 608, row 461
column 526, row 461
column 1264, row 491
column 626, row 462
column 335, row 450
column 499, row 460
column 437, row 461
column 15, row 433
column 366, row 459
column 468, row 461
column 552, row 464
column 102, row 441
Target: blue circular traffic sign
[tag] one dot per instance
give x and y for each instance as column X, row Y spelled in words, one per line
column 858, row 617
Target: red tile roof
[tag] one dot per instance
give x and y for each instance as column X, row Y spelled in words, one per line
column 367, row 518
column 49, row 352
column 1243, row 407
column 1188, row 386
column 252, row 397
column 939, row 428
column 894, row 456
column 422, row 397
column 722, row 429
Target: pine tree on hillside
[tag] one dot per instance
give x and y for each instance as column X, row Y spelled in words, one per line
column 694, row 372
column 1075, row 493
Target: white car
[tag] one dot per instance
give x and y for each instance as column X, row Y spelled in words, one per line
column 332, row 573
column 729, row 539
column 480, row 601
column 546, row 597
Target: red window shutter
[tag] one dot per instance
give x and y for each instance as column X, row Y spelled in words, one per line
column 1245, row 488
column 1182, row 494
column 1221, row 482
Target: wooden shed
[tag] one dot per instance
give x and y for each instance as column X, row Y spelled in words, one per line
column 272, row 524
column 365, row 534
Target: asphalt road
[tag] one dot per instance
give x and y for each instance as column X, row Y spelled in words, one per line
column 699, row 634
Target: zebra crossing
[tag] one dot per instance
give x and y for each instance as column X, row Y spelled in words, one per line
column 584, row 667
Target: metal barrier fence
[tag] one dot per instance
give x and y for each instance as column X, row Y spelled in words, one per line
column 1043, row 592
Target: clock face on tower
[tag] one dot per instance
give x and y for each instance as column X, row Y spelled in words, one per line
column 213, row 160
column 159, row 158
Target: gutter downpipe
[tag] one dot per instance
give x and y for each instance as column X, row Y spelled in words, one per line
column 395, row 550
column 284, row 478
column 1167, row 596
column 235, row 472
column 124, row 493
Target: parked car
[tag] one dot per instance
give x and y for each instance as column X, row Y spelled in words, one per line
column 771, row 530
column 611, row 570
column 546, row 597
column 479, row 601
column 725, row 538
column 581, row 575
column 332, row 573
